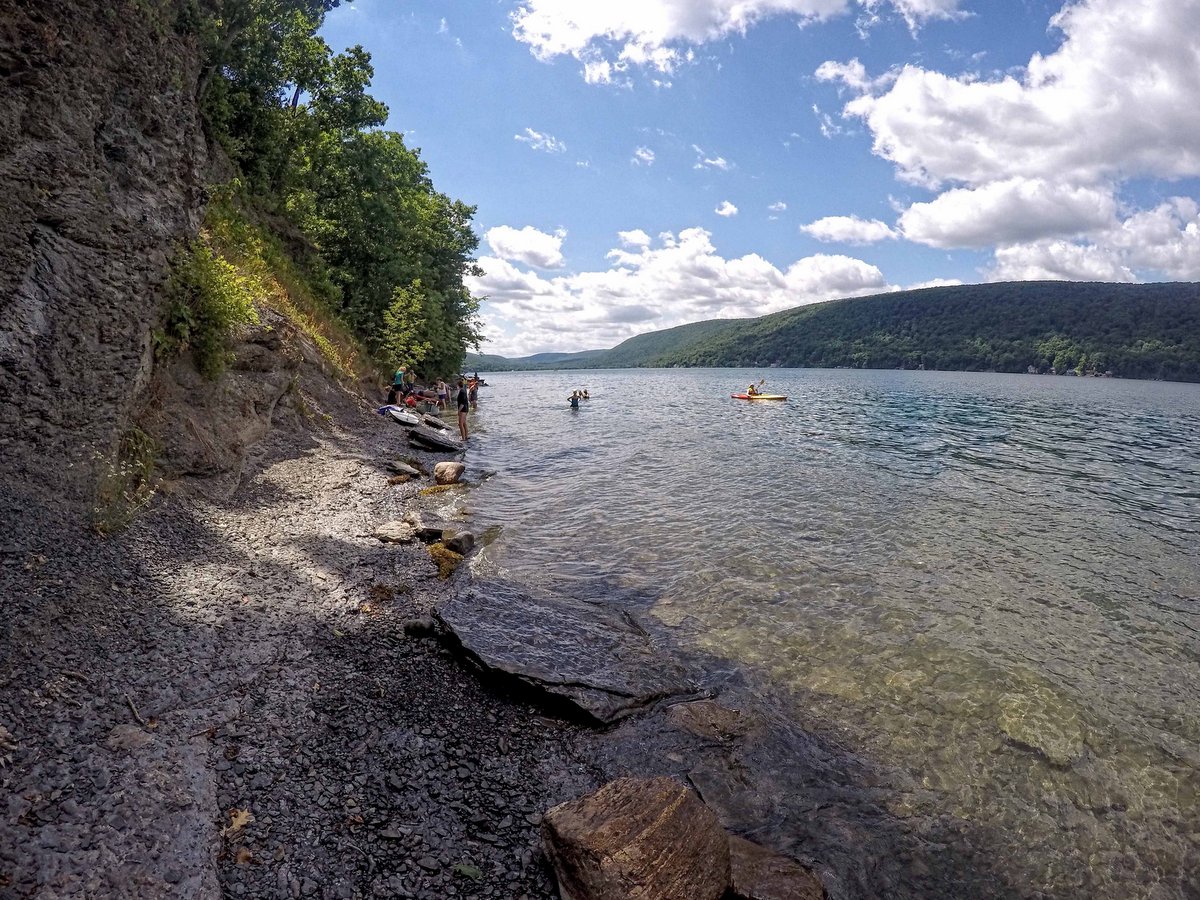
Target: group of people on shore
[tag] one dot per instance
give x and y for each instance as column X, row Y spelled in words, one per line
column 406, row 392
column 576, row 396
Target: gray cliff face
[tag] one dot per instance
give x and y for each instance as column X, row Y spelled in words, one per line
column 101, row 161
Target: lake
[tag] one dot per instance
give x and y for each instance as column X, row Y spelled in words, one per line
column 986, row 585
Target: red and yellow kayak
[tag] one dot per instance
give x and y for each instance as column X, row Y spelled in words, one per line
column 758, row 396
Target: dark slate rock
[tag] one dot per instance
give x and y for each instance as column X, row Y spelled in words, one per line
column 434, row 440
column 592, row 655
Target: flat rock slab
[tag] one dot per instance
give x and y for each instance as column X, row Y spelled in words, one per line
column 637, row 839
column 434, row 440
column 395, row 532
column 593, row 655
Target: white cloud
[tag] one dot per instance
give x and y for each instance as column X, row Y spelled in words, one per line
column 527, row 245
column 704, row 161
column 650, row 285
column 643, row 156
column 1164, row 241
column 659, row 35
column 634, row 238
column 777, row 206
column 539, row 141
column 443, row 27
column 853, row 74
column 597, row 71
column 1033, row 162
column 726, row 209
column 1014, row 211
column 1115, row 100
column 1058, row 261
column 914, row 12
column 849, row 230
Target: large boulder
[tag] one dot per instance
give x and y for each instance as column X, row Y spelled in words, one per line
column 591, row 655
column 448, row 472
column 637, row 839
column 761, row 874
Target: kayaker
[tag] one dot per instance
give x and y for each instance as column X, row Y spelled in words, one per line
column 752, row 390
column 463, row 405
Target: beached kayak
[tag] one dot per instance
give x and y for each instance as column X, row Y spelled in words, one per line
column 405, row 417
column 758, row 396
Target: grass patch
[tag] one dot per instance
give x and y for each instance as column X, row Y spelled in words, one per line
column 125, row 483
column 304, row 297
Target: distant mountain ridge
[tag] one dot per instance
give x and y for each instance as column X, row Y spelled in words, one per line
column 1128, row 330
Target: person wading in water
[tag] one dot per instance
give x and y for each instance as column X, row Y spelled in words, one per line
column 463, row 405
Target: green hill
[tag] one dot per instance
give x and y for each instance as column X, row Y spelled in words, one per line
column 1129, row 330
column 1135, row 331
column 637, row 351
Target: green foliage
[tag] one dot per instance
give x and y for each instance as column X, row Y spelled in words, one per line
column 301, row 127
column 207, row 300
column 404, row 325
column 303, row 294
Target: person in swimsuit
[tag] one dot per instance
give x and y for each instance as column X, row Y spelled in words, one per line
column 463, row 405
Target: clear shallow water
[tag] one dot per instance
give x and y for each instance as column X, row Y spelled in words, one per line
column 989, row 582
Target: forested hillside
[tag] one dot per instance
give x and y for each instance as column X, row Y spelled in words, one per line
column 1132, row 331
column 316, row 177
column 639, row 350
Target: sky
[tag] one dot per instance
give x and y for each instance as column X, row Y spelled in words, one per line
column 641, row 164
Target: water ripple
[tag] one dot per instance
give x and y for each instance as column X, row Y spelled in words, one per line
column 990, row 581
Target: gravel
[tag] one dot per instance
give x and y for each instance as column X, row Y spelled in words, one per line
column 245, row 697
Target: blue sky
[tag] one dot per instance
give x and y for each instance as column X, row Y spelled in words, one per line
column 638, row 164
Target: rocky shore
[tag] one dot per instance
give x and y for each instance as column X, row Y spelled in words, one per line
column 260, row 695
column 224, row 700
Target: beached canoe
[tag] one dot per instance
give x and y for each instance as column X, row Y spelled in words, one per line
column 758, row 396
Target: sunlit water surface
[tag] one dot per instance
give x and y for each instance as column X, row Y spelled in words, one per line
column 988, row 581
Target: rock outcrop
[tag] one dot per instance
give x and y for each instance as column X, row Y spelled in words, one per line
column 637, row 839
column 101, row 162
column 654, row 838
column 589, row 655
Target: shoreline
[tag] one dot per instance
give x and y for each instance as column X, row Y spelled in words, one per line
column 224, row 700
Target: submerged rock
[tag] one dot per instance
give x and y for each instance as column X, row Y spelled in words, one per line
column 459, row 541
column 707, row 719
column 761, row 874
column 637, row 839
column 592, row 655
column 1043, row 722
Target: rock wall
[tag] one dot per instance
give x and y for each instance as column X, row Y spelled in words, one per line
column 102, row 157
